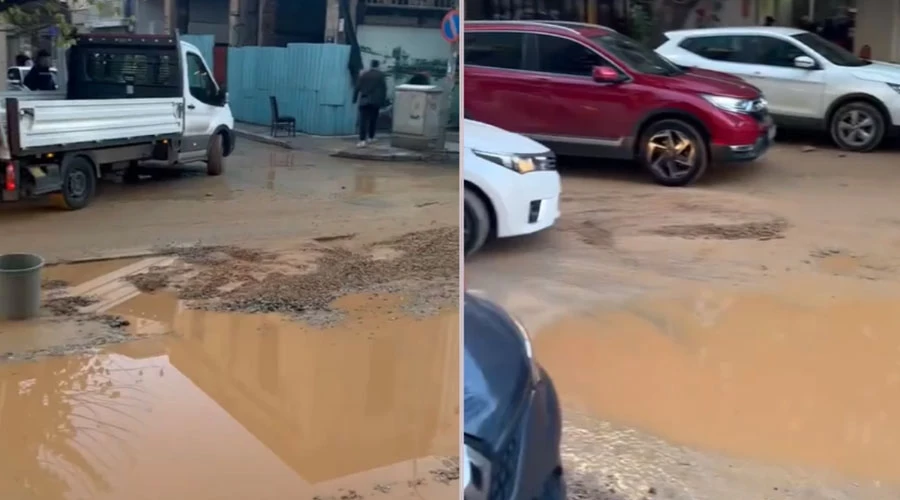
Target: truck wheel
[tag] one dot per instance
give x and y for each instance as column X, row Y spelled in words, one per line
column 476, row 222
column 673, row 152
column 215, row 157
column 79, row 183
column 857, row 126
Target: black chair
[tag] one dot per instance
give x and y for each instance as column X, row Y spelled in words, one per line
column 281, row 122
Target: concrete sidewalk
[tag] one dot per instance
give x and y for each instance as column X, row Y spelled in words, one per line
column 345, row 146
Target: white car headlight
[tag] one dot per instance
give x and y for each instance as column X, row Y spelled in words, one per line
column 516, row 163
column 895, row 87
column 732, row 104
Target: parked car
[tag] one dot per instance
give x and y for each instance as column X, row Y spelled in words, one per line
column 15, row 77
column 809, row 82
column 512, row 418
column 511, row 185
column 590, row 91
column 128, row 98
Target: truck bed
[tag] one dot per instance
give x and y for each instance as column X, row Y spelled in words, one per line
column 50, row 122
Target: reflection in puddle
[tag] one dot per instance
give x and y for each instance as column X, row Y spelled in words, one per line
column 239, row 407
column 812, row 383
column 74, row 275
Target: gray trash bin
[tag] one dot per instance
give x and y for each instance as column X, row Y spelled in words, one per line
column 20, row 285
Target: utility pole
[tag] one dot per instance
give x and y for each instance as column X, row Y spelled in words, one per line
column 234, row 22
column 168, row 17
column 450, row 31
column 446, row 92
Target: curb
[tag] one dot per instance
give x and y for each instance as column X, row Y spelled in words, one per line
column 386, row 156
column 448, row 157
column 274, row 141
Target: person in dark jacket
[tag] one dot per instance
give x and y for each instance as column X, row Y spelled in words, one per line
column 23, row 60
column 370, row 96
column 40, row 77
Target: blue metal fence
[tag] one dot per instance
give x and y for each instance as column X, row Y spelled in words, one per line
column 310, row 81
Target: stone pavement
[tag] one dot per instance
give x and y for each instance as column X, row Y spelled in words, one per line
column 345, row 146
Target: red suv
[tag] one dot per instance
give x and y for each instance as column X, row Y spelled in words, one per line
column 587, row 90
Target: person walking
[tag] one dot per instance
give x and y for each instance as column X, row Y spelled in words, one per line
column 370, row 96
column 40, row 77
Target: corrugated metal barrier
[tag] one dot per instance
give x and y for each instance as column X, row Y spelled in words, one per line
column 310, row 82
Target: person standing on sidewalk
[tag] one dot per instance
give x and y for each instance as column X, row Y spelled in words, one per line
column 370, row 96
column 40, row 77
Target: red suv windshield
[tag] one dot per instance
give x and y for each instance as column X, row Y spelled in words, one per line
column 635, row 55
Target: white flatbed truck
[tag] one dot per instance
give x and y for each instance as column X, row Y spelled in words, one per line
column 128, row 98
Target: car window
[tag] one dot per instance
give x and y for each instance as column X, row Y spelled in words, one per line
column 834, row 53
column 636, row 55
column 137, row 68
column 200, row 83
column 717, row 48
column 495, row 50
column 774, row 52
column 566, row 57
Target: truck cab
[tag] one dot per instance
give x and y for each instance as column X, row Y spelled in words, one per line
column 127, row 99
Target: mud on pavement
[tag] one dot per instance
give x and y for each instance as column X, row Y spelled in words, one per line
column 732, row 340
column 95, row 301
column 327, row 370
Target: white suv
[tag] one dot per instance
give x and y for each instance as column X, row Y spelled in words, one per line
column 810, row 83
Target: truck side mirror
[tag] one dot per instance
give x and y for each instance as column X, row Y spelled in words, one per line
column 222, row 96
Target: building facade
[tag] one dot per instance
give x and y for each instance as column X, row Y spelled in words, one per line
column 650, row 18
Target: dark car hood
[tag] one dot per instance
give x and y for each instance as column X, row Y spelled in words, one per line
column 708, row 82
column 496, row 369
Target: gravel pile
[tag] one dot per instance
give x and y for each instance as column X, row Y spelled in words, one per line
column 427, row 259
column 68, row 306
column 762, row 231
column 212, row 255
column 151, row 281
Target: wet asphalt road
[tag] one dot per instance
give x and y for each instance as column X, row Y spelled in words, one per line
column 267, row 194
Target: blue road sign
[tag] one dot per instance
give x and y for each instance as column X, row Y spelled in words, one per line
column 450, row 26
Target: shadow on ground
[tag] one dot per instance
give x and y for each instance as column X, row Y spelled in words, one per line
column 626, row 171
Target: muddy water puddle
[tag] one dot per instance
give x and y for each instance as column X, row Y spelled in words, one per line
column 238, row 406
column 804, row 377
column 78, row 274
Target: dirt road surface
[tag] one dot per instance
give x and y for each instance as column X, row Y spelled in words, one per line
column 737, row 339
column 295, row 335
column 267, row 195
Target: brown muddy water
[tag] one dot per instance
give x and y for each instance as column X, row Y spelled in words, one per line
column 236, row 406
column 803, row 376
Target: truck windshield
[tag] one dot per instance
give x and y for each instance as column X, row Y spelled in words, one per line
column 635, row 55
column 835, row 54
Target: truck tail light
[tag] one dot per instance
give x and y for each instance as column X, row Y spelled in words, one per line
column 9, row 183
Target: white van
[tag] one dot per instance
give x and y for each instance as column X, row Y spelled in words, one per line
column 128, row 98
column 511, row 185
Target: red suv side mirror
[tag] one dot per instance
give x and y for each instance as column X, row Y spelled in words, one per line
column 605, row 74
